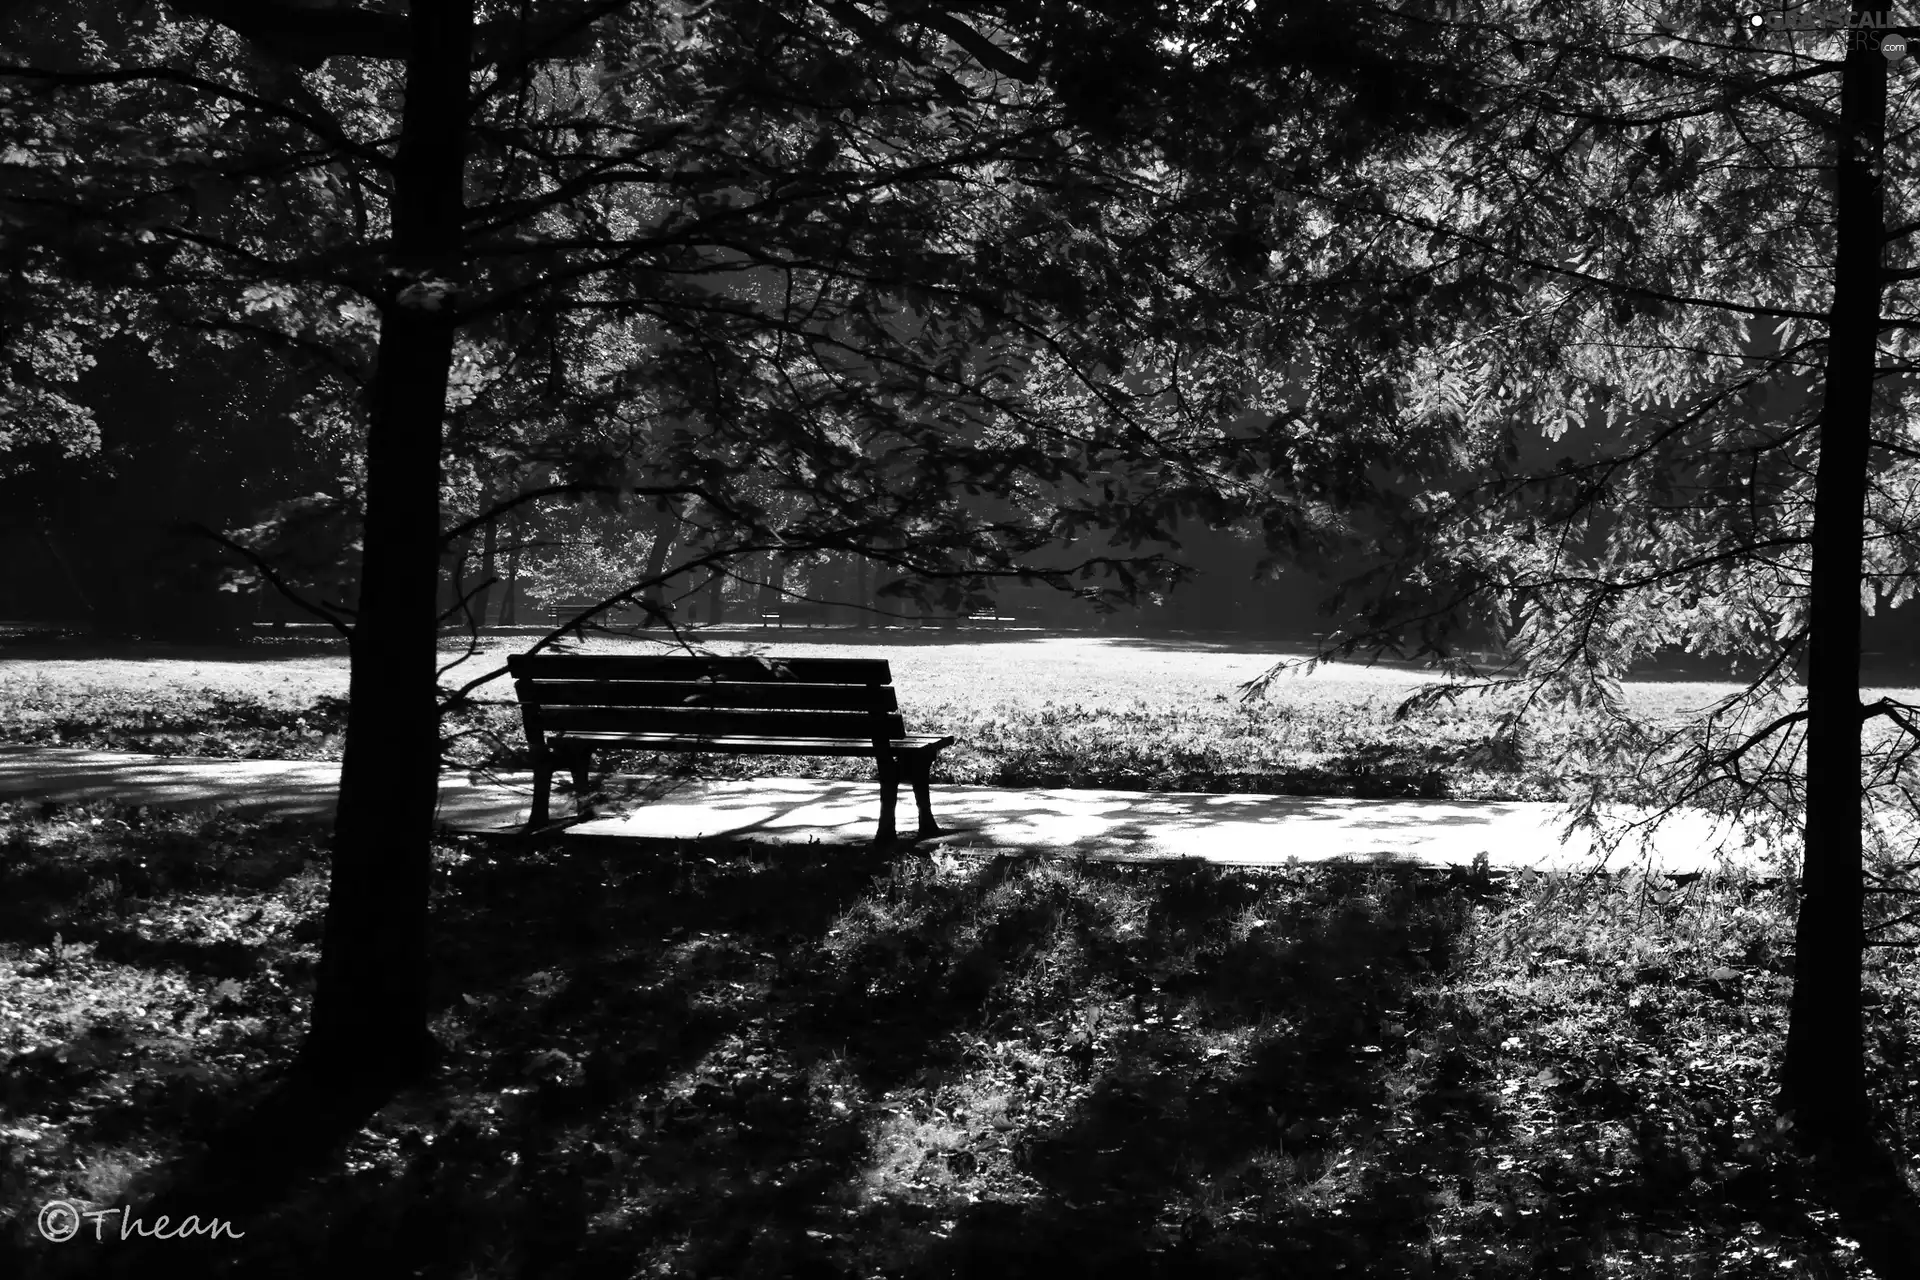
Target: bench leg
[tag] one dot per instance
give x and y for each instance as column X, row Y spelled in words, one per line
column 919, row 773
column 542, row 792
column 889, row 797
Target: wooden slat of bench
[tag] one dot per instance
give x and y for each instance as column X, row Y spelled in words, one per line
column 688, row 693
column 737, row 745
column 572, row 666
column 733, row 724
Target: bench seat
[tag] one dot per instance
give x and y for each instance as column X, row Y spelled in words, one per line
column 749, row 746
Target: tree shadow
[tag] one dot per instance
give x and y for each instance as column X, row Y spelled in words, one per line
column 1168, row 1134
column 1877, row 1203
column 748, row 1061
column 274, row 1136
column 761, row 1171
column 76, row 889
column 608, row 991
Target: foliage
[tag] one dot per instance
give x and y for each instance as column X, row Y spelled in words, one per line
column 1634, row 394
column 36, row 401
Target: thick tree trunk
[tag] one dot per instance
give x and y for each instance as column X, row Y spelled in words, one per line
column 369, row 1023
column 1823, row 1080
column 862, row 596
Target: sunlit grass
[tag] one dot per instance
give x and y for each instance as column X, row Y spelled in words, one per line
column 1049, row 711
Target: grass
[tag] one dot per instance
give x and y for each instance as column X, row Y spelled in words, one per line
column 749, row 1062
column 1037, row 712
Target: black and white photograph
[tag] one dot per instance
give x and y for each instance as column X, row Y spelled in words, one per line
column 902, row 639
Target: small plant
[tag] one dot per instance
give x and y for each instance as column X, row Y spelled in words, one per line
column 59, row 954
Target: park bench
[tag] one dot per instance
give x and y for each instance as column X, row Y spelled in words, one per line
column 619, row 616
column 575, row 705
column 802, row 613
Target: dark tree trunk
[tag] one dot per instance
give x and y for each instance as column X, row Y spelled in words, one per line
column 66, row 571
column 663, row 531
column 483, row 594
column 768, row 596
column 862, row 597
column 836, row 575
column 456, row 582
column 1823, row 1079
column 370, row 1008
column 510, row 599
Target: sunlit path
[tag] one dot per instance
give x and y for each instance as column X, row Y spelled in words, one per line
column 1234, row 829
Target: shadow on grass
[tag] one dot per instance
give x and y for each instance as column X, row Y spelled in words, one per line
column 1877, row 1204
column 693, row 1060
column 273, row 1136
column 681, row 1056
column 75, row 886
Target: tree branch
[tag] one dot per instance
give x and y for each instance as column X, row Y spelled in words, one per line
column 984, row 51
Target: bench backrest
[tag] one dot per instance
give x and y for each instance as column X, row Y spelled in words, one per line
column 708, row 697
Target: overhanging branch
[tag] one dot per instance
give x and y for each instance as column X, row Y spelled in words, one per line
column 984, row 51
